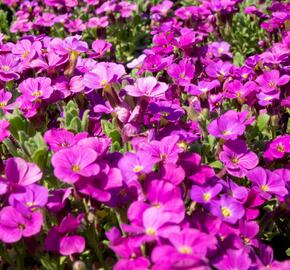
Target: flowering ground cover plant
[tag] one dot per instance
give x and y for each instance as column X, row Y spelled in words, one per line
column 144, row 134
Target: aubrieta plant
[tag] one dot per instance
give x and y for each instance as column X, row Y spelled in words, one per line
column 145, row 135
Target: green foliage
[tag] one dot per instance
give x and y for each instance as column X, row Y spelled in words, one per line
column 72, row 120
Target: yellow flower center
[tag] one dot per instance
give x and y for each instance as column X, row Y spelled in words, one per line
column 21, row 226
column 264, row 188
column 37, row 93
column 5, row 68
column 103, row 82
column 271, row 84
column 227, row 132
column 76, row 168
column 226, row 212
column 163, row 156
column 220, row 50
column 138, row 168
column 123, row 192
column 246, row 240
column 235, row 160
column 207, row 196
column 25, row 54
column 150, row 231
column 185, row 250
column 3, row 104
column 280, row 146
column 268, row 98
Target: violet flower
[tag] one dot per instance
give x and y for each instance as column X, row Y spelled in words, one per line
column 148, row 87
column 237, row 158
column 73, row 163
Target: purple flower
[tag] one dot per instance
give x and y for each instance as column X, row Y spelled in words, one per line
column 19, row 172
column 267, row 183
column 153, row 224
column 73, row 163
column 271, row 80
column 26, row 50
column 229, row 125
column 133, row 165
column 187, row 249
column 166, row 150
column 9, row 68
column 227, row 209
column 4, row 98
column 278, row 148
column 36, row 88
column 4, row 130
column 100, row 47
column 148, row 87
column 103, row 74
column 58, row 139
column 235, row 89
column 202, row 87
column 204, row 194
column 182, row 73
column 264, row 99
column 14, row 225
column 234, row 259
column 33, row 197
column 237, row 158
column 63, row 239
column 218, row 49
column 218, row 70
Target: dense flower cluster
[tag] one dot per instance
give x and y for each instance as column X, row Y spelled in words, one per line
column 177, row 158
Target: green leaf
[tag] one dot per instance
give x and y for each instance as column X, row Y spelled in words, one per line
column 40, row 157
column 262, row 121
column 75, row 124
column 216, row 164
column 288, row 252
column 85, row 121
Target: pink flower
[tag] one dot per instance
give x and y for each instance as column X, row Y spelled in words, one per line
column 4, row 130
column 36, row 88
column 103, row 74
column 14, row 225
column 9, row 68
column 148, row 87
column 73, row 163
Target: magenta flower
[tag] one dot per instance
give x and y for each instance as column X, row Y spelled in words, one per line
column 218, row 49
column 265, row 99
column 182, row 73
column 26, row 50
column 63, row 239
column 271, row 80
column 205, row 194
column 100, row 47
column 166, row 150
column 58, row 139
column 74, row 26
column 103, row 74
column 36, row 88
column 133, row 165
column 14, row 225
column 98, row 22
column 22, row 173
column 229, row 125
column 153, row 224
column 202, row 88
column 235, row 89
column 234, row 259
column 218, row 70
column 227, row 209
column 237, row 158
column 148, row 87
column 73, row 163
column 4, row 99
column 9, row 68
column 278, row 148
column 267, row 183
column 187, row 250
column 4, row 130
column 33, row 197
